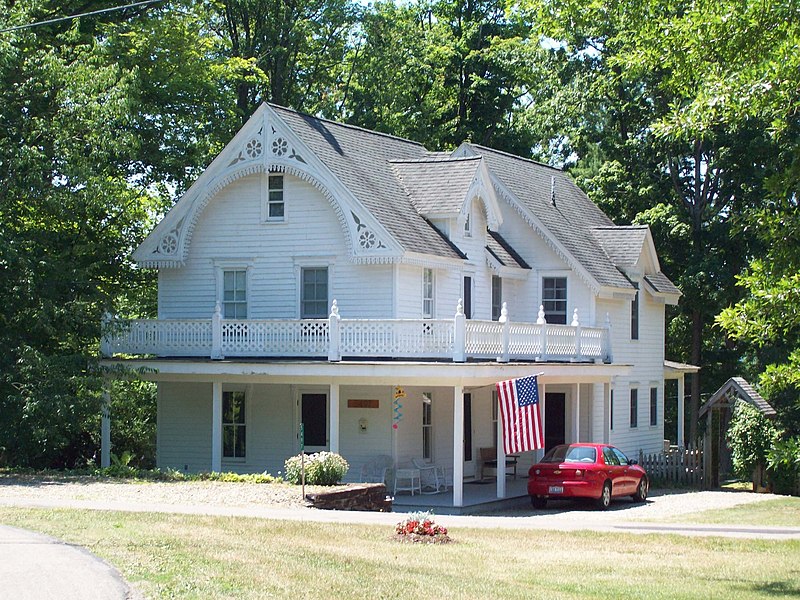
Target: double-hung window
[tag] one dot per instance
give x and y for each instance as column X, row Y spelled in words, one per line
column 653, row 406
column 427, row 426
column 635, row 315
column 634, row 408
column 234, row 429
column 276, row 209
column 314, row 293
column 554, row 299
column 497, row 297
column 234, row 294
column 427, row 294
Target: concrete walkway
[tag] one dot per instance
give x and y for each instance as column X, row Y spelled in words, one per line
column 35, row 566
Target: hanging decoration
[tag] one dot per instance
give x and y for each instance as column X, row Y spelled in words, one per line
column 397, row 406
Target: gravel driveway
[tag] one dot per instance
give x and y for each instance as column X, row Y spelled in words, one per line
column 284, row 501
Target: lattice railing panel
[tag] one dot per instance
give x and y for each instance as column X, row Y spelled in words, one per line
column 165, row 337
column 307, row 337
column 484, row 338
column 396, row 338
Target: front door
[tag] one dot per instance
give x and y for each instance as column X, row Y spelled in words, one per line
column 554, row 419
column 314, row 416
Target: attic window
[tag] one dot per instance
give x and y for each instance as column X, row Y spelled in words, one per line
column 275, row 205
column 468, row 226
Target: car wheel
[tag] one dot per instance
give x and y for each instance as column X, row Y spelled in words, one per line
column 605, row 496
column 641, row 490
column 538, row 502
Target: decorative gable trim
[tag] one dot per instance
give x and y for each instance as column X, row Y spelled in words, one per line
column 264, row 145
column 534, row 223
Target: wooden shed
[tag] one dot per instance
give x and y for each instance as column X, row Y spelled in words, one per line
column 719, row 409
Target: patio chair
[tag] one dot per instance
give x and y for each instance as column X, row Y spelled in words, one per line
column 432, row 478
column 378, row 470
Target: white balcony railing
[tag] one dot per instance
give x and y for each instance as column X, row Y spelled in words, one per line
column 458, row 339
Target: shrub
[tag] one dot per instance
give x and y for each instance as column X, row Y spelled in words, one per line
column 322, row 468
column 783, row 465
column 750, row 437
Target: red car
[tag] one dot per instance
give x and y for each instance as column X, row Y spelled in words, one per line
column 597, row 471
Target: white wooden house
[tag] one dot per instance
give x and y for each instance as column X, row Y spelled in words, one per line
column 321, row 273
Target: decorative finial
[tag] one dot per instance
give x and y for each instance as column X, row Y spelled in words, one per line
column 575, row 322
column 460, row 308
column 540, row 320
column 334, row 309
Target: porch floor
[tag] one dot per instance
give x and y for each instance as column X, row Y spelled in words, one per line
column 480, row 496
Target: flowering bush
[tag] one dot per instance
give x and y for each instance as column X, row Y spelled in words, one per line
column 420, row 527
column 322, row 468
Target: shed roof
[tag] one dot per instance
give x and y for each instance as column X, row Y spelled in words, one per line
column 739, row 389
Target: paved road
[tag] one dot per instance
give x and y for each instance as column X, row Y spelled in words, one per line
column 35, row 566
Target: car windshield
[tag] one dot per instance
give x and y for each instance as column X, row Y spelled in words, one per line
column 568, row 454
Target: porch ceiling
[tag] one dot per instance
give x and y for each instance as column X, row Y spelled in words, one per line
column 362, row 372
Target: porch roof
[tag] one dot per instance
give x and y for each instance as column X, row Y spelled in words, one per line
column 436, row 373
column 675, row 370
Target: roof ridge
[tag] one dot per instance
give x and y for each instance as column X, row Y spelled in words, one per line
column 434, row 159
column 517, row 157
column 618, row 227
column 347, row 125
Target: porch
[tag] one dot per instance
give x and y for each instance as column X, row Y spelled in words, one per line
column 458, row 339
column 478, row 497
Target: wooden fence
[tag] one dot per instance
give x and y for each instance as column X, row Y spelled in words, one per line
column 677, row 466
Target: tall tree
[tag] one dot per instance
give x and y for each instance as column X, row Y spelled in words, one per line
column 692, row 180
column 289, row 53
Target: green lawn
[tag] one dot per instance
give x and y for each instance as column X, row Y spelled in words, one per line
column 781, row 512
column 180, row 556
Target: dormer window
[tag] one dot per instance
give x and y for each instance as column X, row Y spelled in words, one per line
column 275, row 205
column 467, row 226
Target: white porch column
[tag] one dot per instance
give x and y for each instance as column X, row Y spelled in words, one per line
column 216, row 426
column 458, row 445
column 105, row 426
column 576, row 415
column 606, row 413
column 542, row 413
column 599, row 413
column 501, row 460
column 334, row 433
column 680, row 411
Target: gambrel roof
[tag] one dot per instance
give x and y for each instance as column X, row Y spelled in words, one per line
column 386, row 191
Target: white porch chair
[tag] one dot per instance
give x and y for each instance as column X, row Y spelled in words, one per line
column 378, row 470
column 432, row 478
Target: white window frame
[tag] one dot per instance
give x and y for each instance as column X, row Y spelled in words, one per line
column 236, row 425
column 266, row 197
column 633, row 417
column 428, row 293
column 635, row 313
column 427, row 426
column 497, row 307
column 653, row 406
column 220, row 267
column 303, row 300
column 565, row 300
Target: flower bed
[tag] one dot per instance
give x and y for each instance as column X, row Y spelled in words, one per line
column 420, row 528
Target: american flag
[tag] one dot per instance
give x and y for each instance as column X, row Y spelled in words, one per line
column 519, row 412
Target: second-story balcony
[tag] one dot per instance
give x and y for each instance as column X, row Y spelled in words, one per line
column 458, row 339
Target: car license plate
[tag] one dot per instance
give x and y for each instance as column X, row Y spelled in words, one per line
column 555, row 489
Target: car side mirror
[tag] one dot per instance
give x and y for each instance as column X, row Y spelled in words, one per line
column 632, row 461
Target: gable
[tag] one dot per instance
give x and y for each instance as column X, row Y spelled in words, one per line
column 375, row 215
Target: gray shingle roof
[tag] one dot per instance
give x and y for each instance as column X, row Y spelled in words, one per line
column 360, row 160
column 572, row 218
column 504, row 253
column 437, row 185
column 622, row 244
column 400, row 181
column 661, row 283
